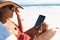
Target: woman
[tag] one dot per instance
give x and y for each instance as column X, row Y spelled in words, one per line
column 6, row 12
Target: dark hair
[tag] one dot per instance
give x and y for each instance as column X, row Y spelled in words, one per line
column 0, row 14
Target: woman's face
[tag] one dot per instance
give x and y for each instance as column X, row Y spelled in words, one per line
column 8, row 12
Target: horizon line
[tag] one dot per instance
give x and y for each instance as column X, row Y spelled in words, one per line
column 41, row 5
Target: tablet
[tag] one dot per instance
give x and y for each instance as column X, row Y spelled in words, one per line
column 40, row 20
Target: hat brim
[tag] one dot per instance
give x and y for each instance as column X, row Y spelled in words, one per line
column 10, row 3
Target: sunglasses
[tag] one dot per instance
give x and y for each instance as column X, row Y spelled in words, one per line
column 11, row 7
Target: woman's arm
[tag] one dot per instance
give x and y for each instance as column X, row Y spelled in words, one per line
column 19, row 20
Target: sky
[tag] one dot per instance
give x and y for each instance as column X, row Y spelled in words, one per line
column 23, row 2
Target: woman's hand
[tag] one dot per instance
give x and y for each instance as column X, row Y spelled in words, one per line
column 16, row 11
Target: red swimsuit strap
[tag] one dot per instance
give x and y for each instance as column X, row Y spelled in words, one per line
column 18, row 35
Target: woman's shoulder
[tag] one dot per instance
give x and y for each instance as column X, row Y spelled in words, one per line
column 12, row 27
column 12, row 23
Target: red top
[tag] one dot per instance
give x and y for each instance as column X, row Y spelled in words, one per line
column 22, row 36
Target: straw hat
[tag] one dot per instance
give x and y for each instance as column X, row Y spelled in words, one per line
column 5, row 3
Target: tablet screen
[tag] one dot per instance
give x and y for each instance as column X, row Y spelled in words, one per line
column 39, row 20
